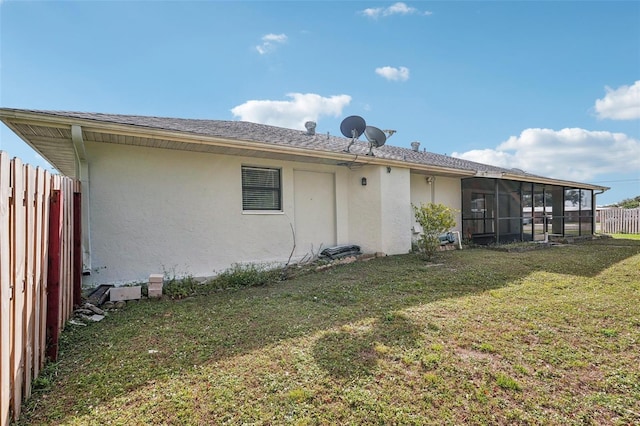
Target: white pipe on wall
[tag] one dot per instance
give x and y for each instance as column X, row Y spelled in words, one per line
column 457, row 234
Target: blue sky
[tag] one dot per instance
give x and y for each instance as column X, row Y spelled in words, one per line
column 552, row 88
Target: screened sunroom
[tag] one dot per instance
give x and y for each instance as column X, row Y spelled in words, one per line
column 502, row 211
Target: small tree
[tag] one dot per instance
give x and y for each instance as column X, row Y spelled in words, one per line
column 630, row 203
column 435, row 219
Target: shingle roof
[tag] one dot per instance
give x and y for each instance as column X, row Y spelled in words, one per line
column 262, row 133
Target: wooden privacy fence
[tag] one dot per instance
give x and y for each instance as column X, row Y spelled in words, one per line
column 619, row 221
column 39, row 274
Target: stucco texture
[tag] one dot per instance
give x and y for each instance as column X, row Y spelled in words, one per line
column 177, row 212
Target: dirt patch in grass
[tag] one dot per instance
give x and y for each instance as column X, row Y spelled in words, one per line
column 540, row 337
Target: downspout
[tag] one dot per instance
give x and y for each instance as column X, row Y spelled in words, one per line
column 496, row 213
column 82, row 174
column 595, row 210
column 432, row 182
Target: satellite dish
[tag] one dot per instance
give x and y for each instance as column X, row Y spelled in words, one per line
column 353, row 126
column 375, row 136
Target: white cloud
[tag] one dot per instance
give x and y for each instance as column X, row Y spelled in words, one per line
column 372, row 12
column 622, row 103
column 395, row 9
column 400, row 9
column 279, row 38
column 293, row 113
column 570, row 154
column 393, row 73
column 270, row 42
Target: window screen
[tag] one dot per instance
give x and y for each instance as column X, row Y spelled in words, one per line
column 261, row 189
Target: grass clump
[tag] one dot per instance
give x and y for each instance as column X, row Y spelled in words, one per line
column 239, row 275
column 247, row 275
column 430, row 361
column 507, row 383
column 299, row 395
column 486, row 347
column 179, row 288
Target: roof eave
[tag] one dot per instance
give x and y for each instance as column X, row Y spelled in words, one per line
column 9, row 116
column 551, row 181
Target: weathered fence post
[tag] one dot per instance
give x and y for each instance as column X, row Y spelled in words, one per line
column 17, row 233
column 53, row 275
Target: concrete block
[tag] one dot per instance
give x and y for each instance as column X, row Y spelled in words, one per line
column 155, row 293
column 125, row 293
column 156, row 278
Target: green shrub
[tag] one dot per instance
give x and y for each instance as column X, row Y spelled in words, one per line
column 435, row 220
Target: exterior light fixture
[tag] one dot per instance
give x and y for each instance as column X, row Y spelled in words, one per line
column 363, row 181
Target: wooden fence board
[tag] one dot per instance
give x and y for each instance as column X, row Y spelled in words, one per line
column 30, row 302
column 37, row 268
column 5, row 333
column 18, row 266
column 44, row 246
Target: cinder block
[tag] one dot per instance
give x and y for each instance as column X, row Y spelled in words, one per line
column 156, row 285
column 156, row 278
column 125, row 293
column 155, row 293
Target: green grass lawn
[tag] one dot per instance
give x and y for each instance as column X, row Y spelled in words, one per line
column 479, row 337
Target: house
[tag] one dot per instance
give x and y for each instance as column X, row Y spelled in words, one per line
column 195, row 196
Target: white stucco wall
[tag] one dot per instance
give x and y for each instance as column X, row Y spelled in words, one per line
column 155, row 210
column 364, row 209
column 314, row 211
column 395, row 208
column 449, row 192
column 421, row 191
column 442, row 190
column 379, row 213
